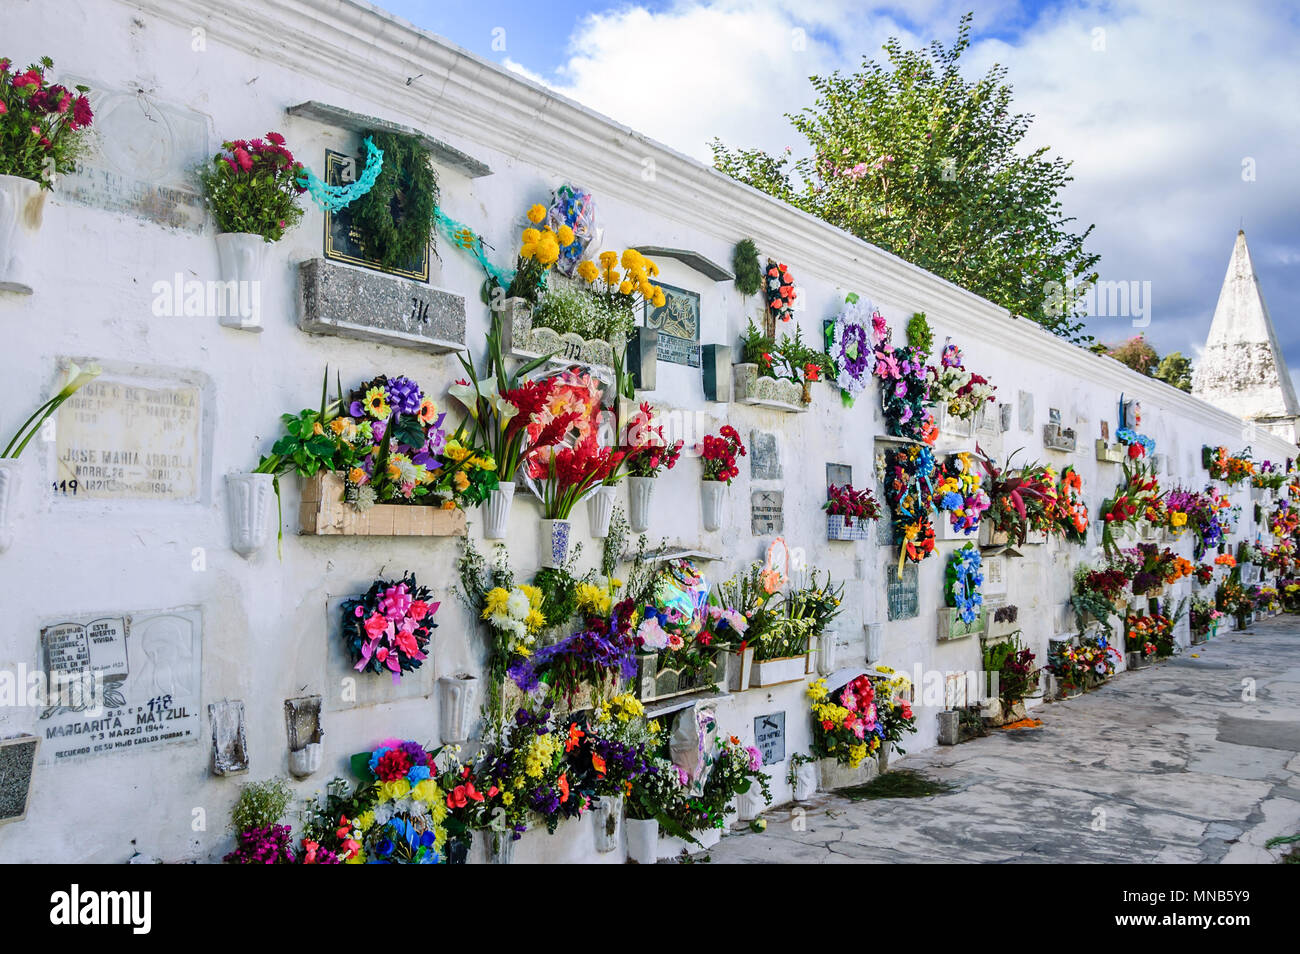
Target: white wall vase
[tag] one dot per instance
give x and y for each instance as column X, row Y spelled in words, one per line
column 11, row 480
column 643, row 840
column 555, row 542
column 496, row 512
column 882, row 758
column 805, row 781
column 306, row 760
column 712, row 493
column 248, row 509
column 242, row 257
column 456, row 695
column 875, row 641
column 22, row 203
column 751, row 804
column 607, row 822
column 827, row 652
column 600, row 509
column 639, row 490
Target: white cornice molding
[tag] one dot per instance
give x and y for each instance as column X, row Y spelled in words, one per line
column 475, row 104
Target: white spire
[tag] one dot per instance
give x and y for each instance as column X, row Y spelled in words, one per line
column 1242, row 370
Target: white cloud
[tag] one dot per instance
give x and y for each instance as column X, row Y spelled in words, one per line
column 1158, row 121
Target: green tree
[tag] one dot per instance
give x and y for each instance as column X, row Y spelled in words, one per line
column 1175, row 369
column 910, row 156
column 1137, row 353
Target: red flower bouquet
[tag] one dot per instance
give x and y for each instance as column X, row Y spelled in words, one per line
column 720, row 453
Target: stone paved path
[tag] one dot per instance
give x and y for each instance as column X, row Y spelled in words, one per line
column 1173, row 760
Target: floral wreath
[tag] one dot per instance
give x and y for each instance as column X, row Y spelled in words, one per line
column 780, row 291
column 389, row 628
column 908, row 492
column 964, row 577
column 1072, row 509
column 852, row 337
column 957, row 491
column 904, row 391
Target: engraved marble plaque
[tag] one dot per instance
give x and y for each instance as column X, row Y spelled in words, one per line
column 767, row 514
column 130, row 439
column 144, row 673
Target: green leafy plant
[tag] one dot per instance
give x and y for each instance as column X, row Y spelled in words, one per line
column 42, row 125
column 919, row 334
column 253, row 187
column 748, row 269
column 911, row 156
column 260, row 805
column 397, row 217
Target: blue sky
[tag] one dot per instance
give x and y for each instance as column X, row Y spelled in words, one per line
column 1160, row 106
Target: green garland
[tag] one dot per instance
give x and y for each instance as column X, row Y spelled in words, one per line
column 749, row 273
column 397, row 217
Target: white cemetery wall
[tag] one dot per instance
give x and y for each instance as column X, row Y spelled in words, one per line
column 152, row 535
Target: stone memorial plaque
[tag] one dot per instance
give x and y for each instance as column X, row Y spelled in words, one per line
column 343, row 241
column 769, row 737
column 839, row 475
column 1026, row 402
column 352, row 303
column 764, row 456
column 902, row 594
column 144, row 160
column 128, row 439
column 767, row 513
column 143, row 671
column 678, row 324
column 995, row 575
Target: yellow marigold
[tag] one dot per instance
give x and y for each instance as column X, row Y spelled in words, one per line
column 646, row 289
column 625, row 287
column 548, row 249
column 565, row 235
column 658, row 298
column 537, row 213
column 588, row 271
column 494, row 601
column 632, row 258
column 608, row 259
column 652, row 268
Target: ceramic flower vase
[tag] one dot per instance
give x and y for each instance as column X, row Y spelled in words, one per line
column 248, row 508
column 456, row 695
column 805, row 781
column 600, row 509
column 639, row 490
column 10, row 482
column 242, row 256
column 827, row 653
column 21, row 206
column 497, row 512
column 643, row 840
column 751, row 804
column 712, row 493
column 555, row 542
column 303, row 762
column 607, row 820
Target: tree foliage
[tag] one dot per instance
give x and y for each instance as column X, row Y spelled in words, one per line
column 908, row 155
column 1174, row 369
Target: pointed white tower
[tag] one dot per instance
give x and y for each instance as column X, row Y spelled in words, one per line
column 1242, row 370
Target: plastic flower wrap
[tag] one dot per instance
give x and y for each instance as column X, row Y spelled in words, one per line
column 575, row 209
column 389, row 628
